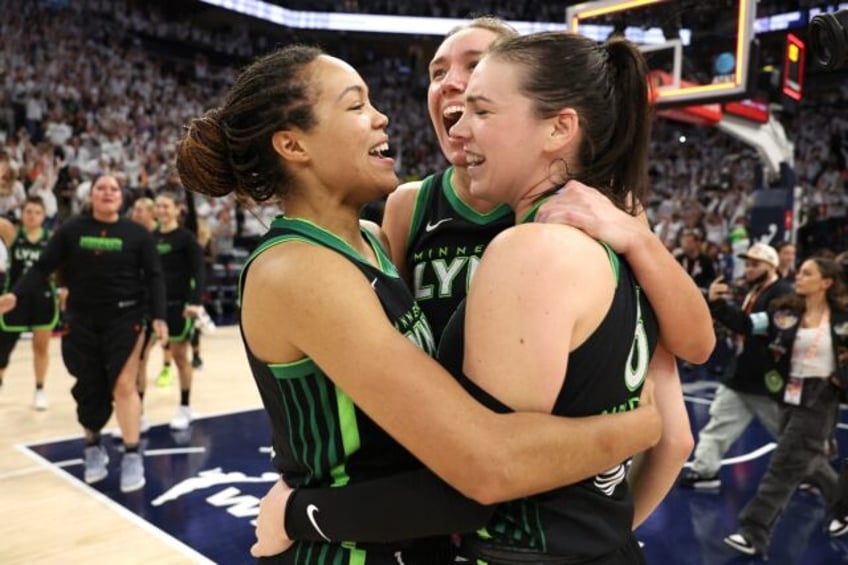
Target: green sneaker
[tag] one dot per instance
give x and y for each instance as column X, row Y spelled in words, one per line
column 165, row 377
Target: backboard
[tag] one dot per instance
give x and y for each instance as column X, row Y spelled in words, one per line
column 699, row 51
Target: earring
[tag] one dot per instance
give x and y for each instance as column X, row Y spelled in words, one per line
column 561, row 176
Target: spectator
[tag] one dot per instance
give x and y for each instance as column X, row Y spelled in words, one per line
column 743, row 393
column 694, row 260
column 786, row 265
column 810, row 372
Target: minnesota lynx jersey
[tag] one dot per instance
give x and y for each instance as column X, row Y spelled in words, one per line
column 320, row 437
column 604, row 375
column 446, row 239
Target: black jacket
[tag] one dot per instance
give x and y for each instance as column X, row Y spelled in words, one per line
column 748, row 372
column 783, row 327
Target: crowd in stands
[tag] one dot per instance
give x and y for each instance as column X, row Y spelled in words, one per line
column 97, row 86
column 522, row 10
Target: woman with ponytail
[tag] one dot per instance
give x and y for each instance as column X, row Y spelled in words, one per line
column 808, row 337
column 339, row 350
column 555, row 321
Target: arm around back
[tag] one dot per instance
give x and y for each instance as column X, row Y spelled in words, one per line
column 681, row 309
column 342, row 327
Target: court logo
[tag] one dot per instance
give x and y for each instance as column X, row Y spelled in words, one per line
column 208, row 479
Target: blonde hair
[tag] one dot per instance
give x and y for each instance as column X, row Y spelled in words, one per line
column 496, row 25
column 145, row 202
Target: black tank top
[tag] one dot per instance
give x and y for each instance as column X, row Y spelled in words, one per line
column 446, row 239
column 604, row 375
column 23, row 254
column 320, row 437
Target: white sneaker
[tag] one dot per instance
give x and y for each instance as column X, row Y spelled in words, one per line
column 183, row 419
column 838, row 527
column 39, row 402
column 132, row 472
column 738, row 542
column 95, row 464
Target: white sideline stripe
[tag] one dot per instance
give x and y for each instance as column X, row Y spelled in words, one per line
column 750, row 456
column 698, row 386
column 108, row 502
column 759, row 452
column 697, row 400
column 174, row 451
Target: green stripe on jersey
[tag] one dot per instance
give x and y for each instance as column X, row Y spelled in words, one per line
column 541, row 530
column 466, row 211
column 384, row 263
column 530, row 215
column 357, row 557
column 316, row 235
column 294, row 370
column 312, row 418
column 297, row 426
column 331, row 240
column 614, row 261
column 350, row 435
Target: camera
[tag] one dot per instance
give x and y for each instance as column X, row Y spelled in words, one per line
column 829, row 39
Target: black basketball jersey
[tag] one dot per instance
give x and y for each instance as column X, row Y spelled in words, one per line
column 446, row 239
column 39, row 308
column 320, row 437
column 182, row 264
column 604, row 375
column 23, row 254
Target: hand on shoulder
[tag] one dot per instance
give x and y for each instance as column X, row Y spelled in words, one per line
column 586, row 208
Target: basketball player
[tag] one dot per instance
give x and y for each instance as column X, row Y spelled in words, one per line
column 182, row 264
column 437, row 229
column 330, row 330
column 547, row 301
column 108, row 262
column 37, row 313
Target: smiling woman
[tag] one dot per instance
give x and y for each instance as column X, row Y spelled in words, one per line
column 337, row 347
column 111, row 269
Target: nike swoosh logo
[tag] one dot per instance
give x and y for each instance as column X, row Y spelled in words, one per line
column 430, row 227
column 311, row 510
column 374, row 283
